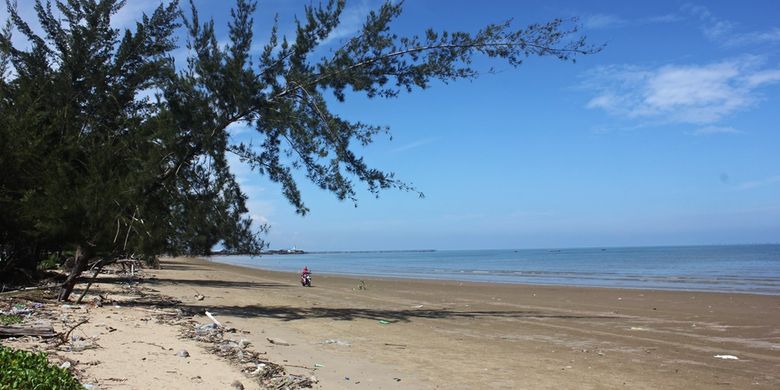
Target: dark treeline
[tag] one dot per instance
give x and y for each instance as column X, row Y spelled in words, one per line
column 109, row 149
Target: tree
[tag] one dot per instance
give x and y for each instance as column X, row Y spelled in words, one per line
column 89, row 164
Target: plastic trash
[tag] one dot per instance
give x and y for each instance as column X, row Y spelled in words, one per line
column 337, row 342
column 384, row 322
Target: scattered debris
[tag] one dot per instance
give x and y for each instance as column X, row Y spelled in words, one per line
column 183, row 353
column 206, row 329
column 214, row 320
column 278, row 342
column 727, row 357
column 337, row 342
column 383, row 322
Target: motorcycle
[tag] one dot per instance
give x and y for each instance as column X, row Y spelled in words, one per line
column 306, row 280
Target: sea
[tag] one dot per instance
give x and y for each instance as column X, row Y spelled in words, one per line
column 751, row 269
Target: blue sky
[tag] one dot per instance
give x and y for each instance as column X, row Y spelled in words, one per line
column 668, row 137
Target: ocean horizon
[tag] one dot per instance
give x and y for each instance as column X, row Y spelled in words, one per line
column 721, row 268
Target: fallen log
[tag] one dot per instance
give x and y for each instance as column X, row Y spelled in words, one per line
column 42, row 330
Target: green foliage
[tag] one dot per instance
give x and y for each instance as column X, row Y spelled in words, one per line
column 50, row 262
column 108, row 147
column 10, row 319
column 22, row 370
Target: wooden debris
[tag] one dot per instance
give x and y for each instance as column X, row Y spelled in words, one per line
column 41, row 330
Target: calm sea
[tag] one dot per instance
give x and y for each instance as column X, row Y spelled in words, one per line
column 738, row 268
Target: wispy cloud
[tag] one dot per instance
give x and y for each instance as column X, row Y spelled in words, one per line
column 748, row 185
column 607, row 21
column 414, row 145
column 689, row 94
column 710, row 130
column 667, row 18
column 725, row 32
column 603, row 21
column 352, row 19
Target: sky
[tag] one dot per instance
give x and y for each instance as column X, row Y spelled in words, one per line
column 669, row 136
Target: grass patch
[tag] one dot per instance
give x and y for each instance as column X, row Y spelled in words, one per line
column 27, row 370
column 10, row 319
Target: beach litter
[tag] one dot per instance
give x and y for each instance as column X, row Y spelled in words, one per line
column 726, row 357
column 317, row 365
column 183, row 353
column 383, row 322
column 213, row 319
column 205, row 329
column 276, row 341
column 420, row 306
column 335, row 341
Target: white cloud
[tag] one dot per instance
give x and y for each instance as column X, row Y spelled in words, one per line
column 690, row 94
column 352, row 19
column 725, row 31
column 239, row 128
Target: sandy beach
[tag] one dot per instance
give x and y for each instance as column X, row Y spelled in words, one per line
column 414, row 334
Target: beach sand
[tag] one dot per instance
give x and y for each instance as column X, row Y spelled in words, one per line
column 414, row 334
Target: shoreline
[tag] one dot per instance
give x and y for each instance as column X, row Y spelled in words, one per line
column 496, row 282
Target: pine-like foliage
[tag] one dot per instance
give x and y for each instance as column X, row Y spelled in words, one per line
column 89, row 163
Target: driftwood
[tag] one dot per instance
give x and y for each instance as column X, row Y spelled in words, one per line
column 214, row 320
column 35, row 330
column 64, row 338
column 22, row 289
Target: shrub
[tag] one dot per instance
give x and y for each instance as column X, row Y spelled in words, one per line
column 23, row 370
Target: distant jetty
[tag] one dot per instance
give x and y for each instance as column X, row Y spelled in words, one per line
column 295, row 251
column 283, row 252
column 380, row 251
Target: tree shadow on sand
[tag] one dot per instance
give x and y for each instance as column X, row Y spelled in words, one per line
column 151, row 282
column 287, row 313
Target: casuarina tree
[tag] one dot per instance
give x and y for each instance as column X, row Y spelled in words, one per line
column 110, row 148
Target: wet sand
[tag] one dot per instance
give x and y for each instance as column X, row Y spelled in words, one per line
column 449, row 334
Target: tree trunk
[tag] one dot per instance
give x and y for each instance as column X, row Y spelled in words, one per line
column 80, row 264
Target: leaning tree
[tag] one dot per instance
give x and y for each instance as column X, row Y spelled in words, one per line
column 108, row 147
